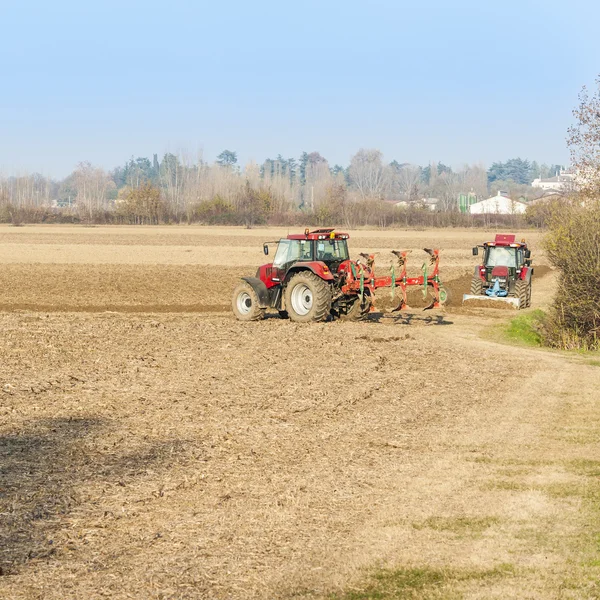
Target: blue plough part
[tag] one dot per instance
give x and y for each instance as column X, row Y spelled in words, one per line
column 495, row 291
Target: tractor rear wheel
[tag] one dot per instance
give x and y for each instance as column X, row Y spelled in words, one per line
column 307, row 297
column 529, row 294
column 245, row 303
column 358, row 311
column 476, row 286
column 521, row 288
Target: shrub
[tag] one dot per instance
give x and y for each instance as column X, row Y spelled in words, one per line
column 572, row 244
column 255, row 206
column 539, row 214
column 216, row 212
column 140, row 206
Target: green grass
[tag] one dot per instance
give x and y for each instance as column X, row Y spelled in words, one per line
column 406, row 583
column 583, row 466
column 459, row 525
column 525, row 328
column 508, row 485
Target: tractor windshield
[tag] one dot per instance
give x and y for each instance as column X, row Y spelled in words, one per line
column 290, row 251
column 501, row 256
column 332, row 250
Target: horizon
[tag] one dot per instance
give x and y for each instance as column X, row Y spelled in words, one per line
column 242, row 166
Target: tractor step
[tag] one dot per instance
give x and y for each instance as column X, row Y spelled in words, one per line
column 505, row 299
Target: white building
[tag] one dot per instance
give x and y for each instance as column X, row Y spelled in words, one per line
column 430, row 203
column 498, row 205
column 562, row 182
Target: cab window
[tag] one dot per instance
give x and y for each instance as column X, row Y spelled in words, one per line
column 332, row 250
column 290, row 251
column 501, row 256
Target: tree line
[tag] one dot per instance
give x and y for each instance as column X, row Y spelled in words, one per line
column 180, row 188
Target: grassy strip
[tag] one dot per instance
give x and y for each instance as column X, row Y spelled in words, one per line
column 458, row 525
column 526, row 328
column 425, row 582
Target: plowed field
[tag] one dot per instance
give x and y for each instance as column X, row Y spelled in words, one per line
column 153, row 447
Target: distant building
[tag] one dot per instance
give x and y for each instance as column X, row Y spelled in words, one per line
column 397, row 203
column 562, row 182
column 62, row 203
column 498, row 205
column 431, row 203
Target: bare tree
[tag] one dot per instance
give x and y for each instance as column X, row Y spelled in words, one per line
column 368, row 173
column 91, row 186
column 473, row 178
column 318, row 182
column 584, row 143
column 406, row 181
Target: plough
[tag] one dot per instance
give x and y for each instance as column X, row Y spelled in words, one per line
column 364, row 274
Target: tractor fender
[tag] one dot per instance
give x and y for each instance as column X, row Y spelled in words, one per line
column 478, row 273
column 261, row 290
column 526, row 273
column 320, row 269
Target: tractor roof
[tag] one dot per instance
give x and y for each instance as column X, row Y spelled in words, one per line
column 319, row 234
column 504, row 239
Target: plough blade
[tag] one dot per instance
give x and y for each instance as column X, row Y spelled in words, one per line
column 401, row 306
column 431, row 305
column 506, row 299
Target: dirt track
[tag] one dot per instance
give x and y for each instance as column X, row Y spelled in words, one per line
column 188, row 455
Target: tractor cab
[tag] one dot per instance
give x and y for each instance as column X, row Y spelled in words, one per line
column 503, row 256
column 321, row 245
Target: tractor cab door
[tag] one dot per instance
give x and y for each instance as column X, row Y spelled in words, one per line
column 288, row 253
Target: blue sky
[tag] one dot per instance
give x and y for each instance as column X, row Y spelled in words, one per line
column 454, row 81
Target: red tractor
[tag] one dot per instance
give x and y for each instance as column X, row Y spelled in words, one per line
column 505, row 274
column 312, row 278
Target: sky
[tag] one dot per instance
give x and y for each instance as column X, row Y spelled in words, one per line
column 459, row 81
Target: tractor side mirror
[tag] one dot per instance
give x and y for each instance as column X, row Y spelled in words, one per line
column 265, row 249
column 527, row 253
column 475, row 251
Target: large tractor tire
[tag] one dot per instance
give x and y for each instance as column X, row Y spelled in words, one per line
column 245, row 303
column 476, row 286
column 358, row 311
column 307, row 298
column 529, row 294
column 521, row 291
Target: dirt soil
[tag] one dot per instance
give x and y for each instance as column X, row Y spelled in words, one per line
column 153, row 447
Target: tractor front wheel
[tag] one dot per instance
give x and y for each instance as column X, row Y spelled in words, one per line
column 521, row 291
column 307, row 298
column 245, row 303
column 476, row 286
